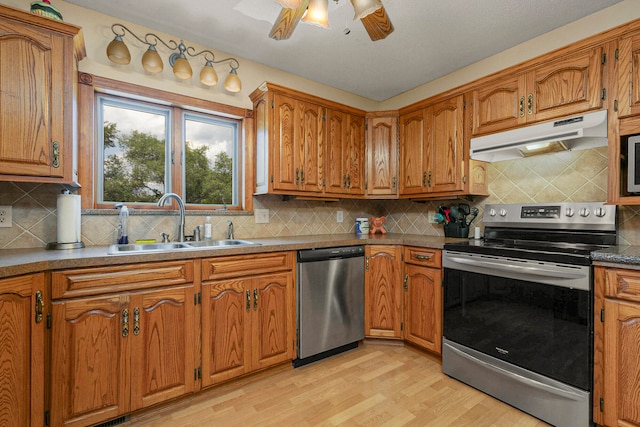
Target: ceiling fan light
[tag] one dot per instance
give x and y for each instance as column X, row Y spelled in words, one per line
column 363, row 8
column 118, row 52
column 182, row 69
column 289, row 4
column 208, row 75
column 317, row 13
column 151, row 61
column 232, row 83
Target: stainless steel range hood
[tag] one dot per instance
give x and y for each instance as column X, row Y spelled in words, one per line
column 573, row 133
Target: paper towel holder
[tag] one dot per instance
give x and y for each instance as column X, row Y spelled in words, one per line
column 70, row 245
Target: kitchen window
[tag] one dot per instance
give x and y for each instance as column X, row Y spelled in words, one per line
column 150, row 142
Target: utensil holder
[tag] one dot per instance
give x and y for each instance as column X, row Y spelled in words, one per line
column 456, row 229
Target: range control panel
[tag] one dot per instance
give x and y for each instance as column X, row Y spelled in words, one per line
column 592, row 216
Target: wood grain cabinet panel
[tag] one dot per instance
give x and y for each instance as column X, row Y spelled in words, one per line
column 36, row 107
column 115, row 353
column 23, row 308
column 383, row 292
column 423, row 307
column 558, row 88
column 248, row 321
column 382, row 156
column 628, row 76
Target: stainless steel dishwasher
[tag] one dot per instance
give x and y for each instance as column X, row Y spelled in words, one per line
column 330, row 301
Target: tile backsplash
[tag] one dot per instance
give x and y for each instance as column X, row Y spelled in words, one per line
column 570, row 176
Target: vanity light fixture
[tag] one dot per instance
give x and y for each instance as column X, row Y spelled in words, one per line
column 118, row 52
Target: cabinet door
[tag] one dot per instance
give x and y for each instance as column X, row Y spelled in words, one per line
column 444, row 152
column 286, row 153
column 382, row 156
column 32, row 103
column 336, row 174
column 312, row 147
column 353, row 159
column 423, row 307
column 90, row 371
column 568, row 86
column 628, row 76
column 163, row 336
column 383, row 292
column 622, row 365
column 498, row 105
column 413, row 173
column 273, row 320
column 22, row 338
column 226, row 330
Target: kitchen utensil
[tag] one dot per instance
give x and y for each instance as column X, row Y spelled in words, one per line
column 439, row 218
column 464, row 210
column 474, row 214
column 454, row 214
column 447, row 215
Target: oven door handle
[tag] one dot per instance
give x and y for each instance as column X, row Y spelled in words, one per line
column 548, row 270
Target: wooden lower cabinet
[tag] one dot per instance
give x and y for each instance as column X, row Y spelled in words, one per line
column 423, row 298
column 248, row 322
column 22, row 350
column 117, row 353
column 383, row 292
column 617, row 346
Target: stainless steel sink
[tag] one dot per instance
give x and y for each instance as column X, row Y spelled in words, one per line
column 177, row 246
column 221, row 243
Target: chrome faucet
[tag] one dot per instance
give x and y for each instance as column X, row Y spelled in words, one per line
column 163, row 201
column 230, row 232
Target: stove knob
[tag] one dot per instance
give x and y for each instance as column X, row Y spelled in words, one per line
column 492, row 212
column 503, row 212
column 570, row 212
column 584, row 212
column 600, row 212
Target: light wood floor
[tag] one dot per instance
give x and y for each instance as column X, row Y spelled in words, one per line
column 374, row 385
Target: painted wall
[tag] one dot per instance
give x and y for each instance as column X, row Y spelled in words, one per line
column 577, row 176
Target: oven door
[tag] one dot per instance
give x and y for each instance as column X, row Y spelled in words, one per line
column 531, row 314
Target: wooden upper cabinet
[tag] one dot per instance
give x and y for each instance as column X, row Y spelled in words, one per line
column 23, row 309
column 570, row 85
column 311, row 146
column 431, row 149
column 382, row 156
column 353, row 161
column 628, row 76
column 413, row 172
column 37, row 133
column 336, row 175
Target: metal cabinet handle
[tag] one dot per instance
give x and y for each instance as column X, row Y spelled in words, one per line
column 348, row 181
column 248, row 306
column 136, row 321
column 521, row 106
column 366, row 263
column 344, row 180
column 302, row 176
column 406, row 282
column 125, row 323
column 393, row 182
column 297, row 176
column 39, row 306
column 424, row 179
column 421, row 257
column 55, row 161
column 429, row 180
column 530, row 104
column 255, row 299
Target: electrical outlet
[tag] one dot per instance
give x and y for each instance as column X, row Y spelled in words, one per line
column 5, row 216
column 261, row 216
column 339, row 216
column 432, row 217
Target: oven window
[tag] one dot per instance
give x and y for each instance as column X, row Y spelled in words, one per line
column 542, row 328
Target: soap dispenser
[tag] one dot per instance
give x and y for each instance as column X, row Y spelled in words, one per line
column 123, row 224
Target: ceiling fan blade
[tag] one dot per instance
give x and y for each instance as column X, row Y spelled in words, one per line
column 378, row 24
column 287, row 21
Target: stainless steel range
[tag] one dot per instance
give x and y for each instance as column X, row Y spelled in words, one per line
column 518, row 307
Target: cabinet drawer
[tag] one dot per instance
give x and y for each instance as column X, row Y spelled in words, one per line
column 623, row 284
column 92, row 281
column 246, row 265
column 423, row 256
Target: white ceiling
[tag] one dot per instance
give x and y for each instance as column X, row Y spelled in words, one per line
column 432, row 37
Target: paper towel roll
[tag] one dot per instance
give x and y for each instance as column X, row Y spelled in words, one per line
column 68, row 213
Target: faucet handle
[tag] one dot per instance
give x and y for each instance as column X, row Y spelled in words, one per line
column 165, row 237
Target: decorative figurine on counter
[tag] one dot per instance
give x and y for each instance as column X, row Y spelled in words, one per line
column 375, row 225
column 45, row 8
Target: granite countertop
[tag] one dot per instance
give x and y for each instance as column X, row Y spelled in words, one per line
column 621, row 256
column 15, row 262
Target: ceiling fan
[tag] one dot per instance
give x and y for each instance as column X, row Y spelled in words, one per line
column 370, row 12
